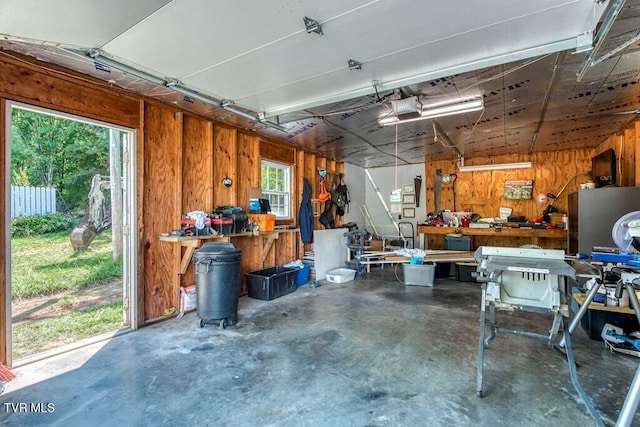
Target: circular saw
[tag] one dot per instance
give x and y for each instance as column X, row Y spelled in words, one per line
column 626, row 233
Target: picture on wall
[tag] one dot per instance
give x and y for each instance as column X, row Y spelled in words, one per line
column 408, row 199
column 518, row 190
column 408, row 188
column 409, row 212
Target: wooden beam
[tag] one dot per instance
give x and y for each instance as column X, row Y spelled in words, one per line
column 267, row 244
column 5, row 285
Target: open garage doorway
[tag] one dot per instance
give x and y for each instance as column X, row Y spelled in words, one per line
column 72, row 269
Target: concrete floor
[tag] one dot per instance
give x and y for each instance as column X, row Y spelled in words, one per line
column 372, row 352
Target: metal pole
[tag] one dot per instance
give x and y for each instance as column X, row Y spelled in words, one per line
column 583, row 309
column 630, row 403
column 381, row 197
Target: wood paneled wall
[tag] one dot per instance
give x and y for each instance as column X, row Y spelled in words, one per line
column 197, row 164
column 182, row 159
column 161, row 206
column 482, row 192
column 5, row 298
column 625, row 146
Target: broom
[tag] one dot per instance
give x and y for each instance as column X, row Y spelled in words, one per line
column 5, row 374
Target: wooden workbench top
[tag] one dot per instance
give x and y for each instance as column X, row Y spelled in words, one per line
column 224, row 236
column 595, row 306
column 552, row 233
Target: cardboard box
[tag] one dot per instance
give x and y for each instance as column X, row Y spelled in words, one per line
column 376, row 245
column 266, row 222
column 556, row 219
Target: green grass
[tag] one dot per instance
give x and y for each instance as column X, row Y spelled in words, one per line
column 36, row 337
column 46, row 264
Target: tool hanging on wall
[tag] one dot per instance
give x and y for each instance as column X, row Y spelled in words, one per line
column 437, row 190
column 550, row 208
column 417, row 185
column 440, row 178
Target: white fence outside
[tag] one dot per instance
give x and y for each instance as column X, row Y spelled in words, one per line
column 26, row 201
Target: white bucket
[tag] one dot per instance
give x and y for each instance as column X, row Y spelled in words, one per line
column 612, row 301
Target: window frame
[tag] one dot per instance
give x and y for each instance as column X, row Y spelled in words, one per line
column 288, row 170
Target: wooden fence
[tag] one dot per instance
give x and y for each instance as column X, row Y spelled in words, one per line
column 26, row 201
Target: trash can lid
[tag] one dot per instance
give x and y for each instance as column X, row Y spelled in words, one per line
column 217, row 248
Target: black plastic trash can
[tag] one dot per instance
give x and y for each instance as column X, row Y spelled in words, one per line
column 217, row 283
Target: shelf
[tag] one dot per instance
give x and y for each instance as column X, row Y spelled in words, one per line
column 191, row 243
column 548, row 233
column 594, row 306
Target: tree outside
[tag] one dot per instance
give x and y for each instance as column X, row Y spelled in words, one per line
column 58, row 294
column 50, row 151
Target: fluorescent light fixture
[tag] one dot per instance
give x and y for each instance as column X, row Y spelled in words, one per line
column 392, row 120
column 424, row 112
column 497, row 166
column 176, row 86
column 465, row 106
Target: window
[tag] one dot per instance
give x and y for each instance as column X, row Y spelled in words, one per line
column 276, row 187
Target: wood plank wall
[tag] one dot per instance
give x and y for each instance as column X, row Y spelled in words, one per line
column 5, row 298
column 482, row 192
column 161, row 206
column 182, row 159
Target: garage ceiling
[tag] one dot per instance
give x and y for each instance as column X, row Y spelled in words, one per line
column 552, row 74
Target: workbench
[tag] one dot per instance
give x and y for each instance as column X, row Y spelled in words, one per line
column 191, row 243
column 580, row 298
column 544, row 237
column 382, row 258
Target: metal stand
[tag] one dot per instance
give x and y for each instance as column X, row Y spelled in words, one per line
column 559, row 317
column 527, row 280
column 357, row 245
column 630, row 405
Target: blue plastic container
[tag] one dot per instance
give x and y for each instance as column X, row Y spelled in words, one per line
column 302, row 276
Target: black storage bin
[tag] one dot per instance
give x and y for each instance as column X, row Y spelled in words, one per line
column 461, row 243
column 240, row 221
column 465, row 270
column 222, row 225
column 453, row 243
column 594, row 320
column 444, row 270
column 217, row 283
column 271, row 283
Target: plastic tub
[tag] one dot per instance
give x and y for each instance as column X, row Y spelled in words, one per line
column 341, row 275
column 419, row 274
column 271, row 283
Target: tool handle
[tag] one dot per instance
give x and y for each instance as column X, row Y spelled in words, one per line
column 619, row 289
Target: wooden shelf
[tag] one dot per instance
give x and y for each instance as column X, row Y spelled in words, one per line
column 191, row 243
column 543, row 237
column 594, row 306
column 548, row 233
